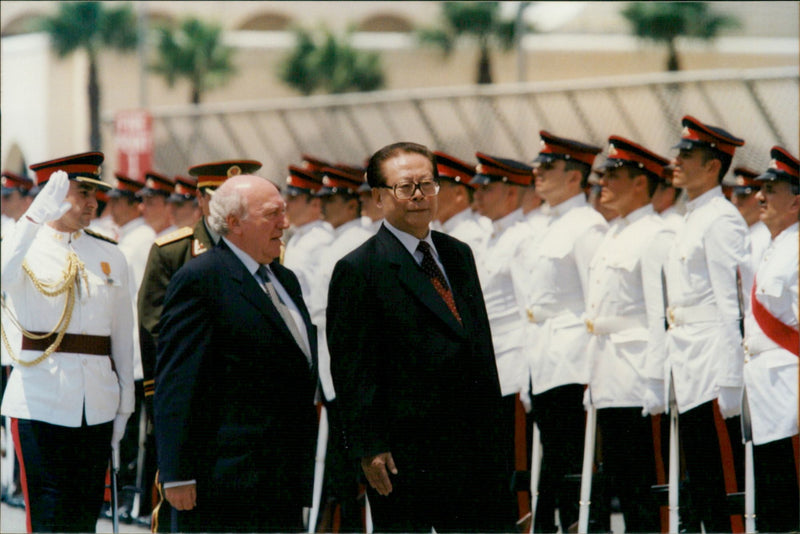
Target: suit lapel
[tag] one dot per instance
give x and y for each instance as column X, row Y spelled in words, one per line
column 418, row 284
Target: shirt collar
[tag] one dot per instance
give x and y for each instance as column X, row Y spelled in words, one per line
column 450, row 224
column 249, row 263
column 576, row 201
column 409, row 241
column 704, row 199
column 638, row 213
column 504, row 223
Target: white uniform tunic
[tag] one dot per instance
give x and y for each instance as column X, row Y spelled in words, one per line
column 465, row 227
column 347, row 238
column 625, row 309
column 60, row 388
column 550, row 274
column 505, row 317
column 760, row 239
column 704, row 341
column 303, row 252
column 770, row 374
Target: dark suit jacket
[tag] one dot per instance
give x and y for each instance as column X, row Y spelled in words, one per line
column 409, row 379
column 234, row 399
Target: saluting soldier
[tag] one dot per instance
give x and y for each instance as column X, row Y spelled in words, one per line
column 167, row 255
column 772, row 345
column 550, row 274
column 708, row 278
column 625, row 315
column 71, row 391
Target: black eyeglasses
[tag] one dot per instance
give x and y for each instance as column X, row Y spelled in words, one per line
column 406, row 190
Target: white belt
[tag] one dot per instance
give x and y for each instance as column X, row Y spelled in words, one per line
column 682, row 315
column 539, row 314
column 601, row 326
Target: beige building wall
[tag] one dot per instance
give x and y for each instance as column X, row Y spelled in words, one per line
column 44, row 98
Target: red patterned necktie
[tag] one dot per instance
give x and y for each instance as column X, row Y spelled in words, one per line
column 438, row 280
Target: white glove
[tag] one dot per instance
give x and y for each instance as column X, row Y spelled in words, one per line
column 120, row 422
column 653, row 402
column 525, row 399
column 587, row 398
column 730, row 401
column 50, row 204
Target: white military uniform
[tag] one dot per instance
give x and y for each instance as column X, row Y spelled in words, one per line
column 771, row 372
column 303, row 253
column 504, row 312
column 550, row 275
column 347, row 238
column 673, row 219
column 760, row 239
column 704, row 349
column 465, row 227
column 625, row 309
column 65, row 386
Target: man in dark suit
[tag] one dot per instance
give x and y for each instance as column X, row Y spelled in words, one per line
column 236, row 376
column 413, row 364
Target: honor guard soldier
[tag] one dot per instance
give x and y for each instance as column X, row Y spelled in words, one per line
column 311, row 234
column 771, row 345
column 168, row 254
column 744, row 189
column 184, row 210
column 625, row 317
column 341, row 208
column 456, row 193
column 665, row 200
column 71, row 390
column 157, row 189
column 708, row 277
column 500, row 185
column 550, row 274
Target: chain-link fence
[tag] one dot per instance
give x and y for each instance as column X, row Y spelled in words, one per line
column 759, row 105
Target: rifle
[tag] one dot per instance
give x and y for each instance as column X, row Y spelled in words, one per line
column 674, row 444
column 114, row 495
column 586, row 473
column 536, row 465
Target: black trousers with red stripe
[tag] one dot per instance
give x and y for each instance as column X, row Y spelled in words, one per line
column 63, row 473
column 701, row 444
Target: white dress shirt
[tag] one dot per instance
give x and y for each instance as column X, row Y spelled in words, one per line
column 704, row 340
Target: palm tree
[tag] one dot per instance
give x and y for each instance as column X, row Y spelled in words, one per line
column 331, row 66
column 475, row 20
column 664, row 22
column 90, row 26
column 194, row 51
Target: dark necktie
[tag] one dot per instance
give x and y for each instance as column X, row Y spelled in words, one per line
column 282, row 308
column 438, row 280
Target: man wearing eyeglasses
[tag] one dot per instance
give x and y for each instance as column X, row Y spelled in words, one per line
column 413, row 365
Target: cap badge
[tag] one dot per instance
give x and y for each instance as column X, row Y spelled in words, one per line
column 4, row 181
column 326, row 180
column 235, row 170
column 773, row 164
column 479, row 169
column 740, row 181
column 612, row 150
column 685, row 131
column 289, row 180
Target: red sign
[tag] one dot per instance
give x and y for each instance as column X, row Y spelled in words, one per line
column 133, row 131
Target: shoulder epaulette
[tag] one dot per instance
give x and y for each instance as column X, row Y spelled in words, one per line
column 99, row 236
column 171, row 237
